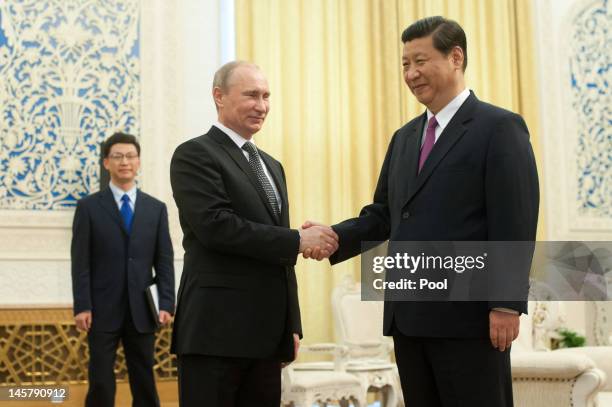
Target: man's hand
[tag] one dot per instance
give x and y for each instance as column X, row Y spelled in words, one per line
column 317, row 241
column 83, row 321
column 296, row 348
column 503, row 329
column 164, row 317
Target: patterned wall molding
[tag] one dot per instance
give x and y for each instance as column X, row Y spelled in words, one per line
column 71, row 76
column 43, row 346
column 574, row 77
column 45, row 281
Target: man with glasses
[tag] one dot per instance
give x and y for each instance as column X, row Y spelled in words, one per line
column 120, row 235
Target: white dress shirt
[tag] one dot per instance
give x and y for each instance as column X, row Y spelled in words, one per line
column 118, row 194
column 445, row 115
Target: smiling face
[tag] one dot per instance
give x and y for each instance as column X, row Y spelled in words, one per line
column 244, row 105
column 433, row 78
column 122, row 164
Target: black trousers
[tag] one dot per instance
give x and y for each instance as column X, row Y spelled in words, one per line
column 139, row 350
column 453, row 372
column 213, row 381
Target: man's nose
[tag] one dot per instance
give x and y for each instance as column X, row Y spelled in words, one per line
column 412, row 73
column 261, row 105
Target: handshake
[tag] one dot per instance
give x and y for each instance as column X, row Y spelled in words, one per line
column 317, row 241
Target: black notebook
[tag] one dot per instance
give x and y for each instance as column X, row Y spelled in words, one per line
column 153, row 300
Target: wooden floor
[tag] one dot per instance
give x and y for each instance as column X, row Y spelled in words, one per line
column 168, row 395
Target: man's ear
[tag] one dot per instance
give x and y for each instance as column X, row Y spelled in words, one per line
column 105, row 163
column 457, row 57
column 218, row 96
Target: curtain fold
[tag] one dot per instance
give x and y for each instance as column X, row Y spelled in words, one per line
column 334, row 69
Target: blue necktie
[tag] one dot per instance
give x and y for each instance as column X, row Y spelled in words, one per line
column 126, row 213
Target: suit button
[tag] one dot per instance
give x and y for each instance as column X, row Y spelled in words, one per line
column 405, row 215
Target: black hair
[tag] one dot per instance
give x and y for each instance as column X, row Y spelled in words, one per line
column 117, row 138
column 446, row 34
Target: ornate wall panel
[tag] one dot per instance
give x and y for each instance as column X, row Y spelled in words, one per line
column 42, row 346
column 574, row 63
column 590, row 76
column 574, row 39
column 70, row 72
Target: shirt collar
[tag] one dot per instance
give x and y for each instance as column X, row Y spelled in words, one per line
column 236, row 138
column 118, row 193
column 445, row 115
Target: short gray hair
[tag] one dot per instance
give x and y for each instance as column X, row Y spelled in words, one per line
column 223, row 74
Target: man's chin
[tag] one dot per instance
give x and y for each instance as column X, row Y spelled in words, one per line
column 423, row 99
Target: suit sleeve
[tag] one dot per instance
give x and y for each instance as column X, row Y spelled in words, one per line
column 164, row 264
column 200, row 195
column 80, row 259
column 373, row 223
column 512, row 196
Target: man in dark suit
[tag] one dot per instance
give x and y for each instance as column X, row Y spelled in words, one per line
column 238, row 316
column 120, row 235
column 462, row 171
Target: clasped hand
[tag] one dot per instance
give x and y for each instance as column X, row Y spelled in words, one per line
column 317, row 241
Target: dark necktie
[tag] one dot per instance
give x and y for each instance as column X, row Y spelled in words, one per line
column 257, row 168
column 430, row 139
column 126, row 213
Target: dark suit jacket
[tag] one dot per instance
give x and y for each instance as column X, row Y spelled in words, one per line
column 111, row 269
column 479, row 183
column 238, row 291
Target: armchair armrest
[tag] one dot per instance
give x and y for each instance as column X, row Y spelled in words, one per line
column 600, row 355
column 555, row 379
column 552, row 365
column 338, row 351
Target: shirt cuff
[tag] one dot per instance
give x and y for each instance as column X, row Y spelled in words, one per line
column 507, row 310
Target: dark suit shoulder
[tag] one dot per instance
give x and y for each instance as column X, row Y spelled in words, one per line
column 194, row 143
column 487, row 110
column 206, row 145
column 413, row 124
column 87, row 200
column 150, row 198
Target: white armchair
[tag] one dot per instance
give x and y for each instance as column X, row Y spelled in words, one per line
column 358, row 326
column 598, row 330
column 542, row 378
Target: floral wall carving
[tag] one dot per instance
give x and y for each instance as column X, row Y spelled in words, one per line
column 70, row 75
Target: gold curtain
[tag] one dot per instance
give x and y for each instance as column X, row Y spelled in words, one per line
column 334, row 69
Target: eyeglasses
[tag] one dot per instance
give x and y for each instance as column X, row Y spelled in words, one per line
column 120, row 157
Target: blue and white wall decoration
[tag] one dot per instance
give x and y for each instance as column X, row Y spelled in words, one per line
column 574, row 63
column 590, row 67
column 69, row 76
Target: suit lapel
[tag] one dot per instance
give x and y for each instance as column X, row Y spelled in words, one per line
column 140, row 208
column 410, row 152
column 107, row 201
column 236, row 154
column 448, row 139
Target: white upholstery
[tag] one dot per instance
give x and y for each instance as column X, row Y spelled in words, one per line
column 601, row 356
column 543, row 378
